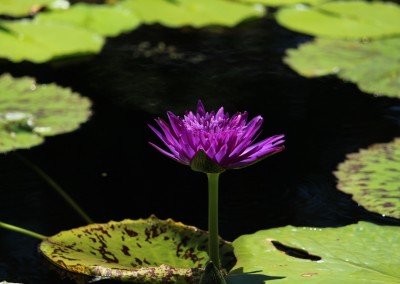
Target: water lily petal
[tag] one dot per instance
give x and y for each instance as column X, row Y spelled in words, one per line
column 168, row 132
column 200, row 108
column 168, row 154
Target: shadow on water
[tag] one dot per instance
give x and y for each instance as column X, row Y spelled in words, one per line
column 108, row 167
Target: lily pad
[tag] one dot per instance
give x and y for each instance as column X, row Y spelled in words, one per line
column 106, row 20
column 354, row 254
column 372, row 65
column 40, row 41
column 145, row 250
column 343, row 19
column 30, row 111
column 372, row 176
column 21, row 8
column 194, row 13
column 277, row 3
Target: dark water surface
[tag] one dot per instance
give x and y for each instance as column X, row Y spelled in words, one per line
column 108, row 167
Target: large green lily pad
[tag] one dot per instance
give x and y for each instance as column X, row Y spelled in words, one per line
column 194, row 13
column 106, row 20
column 372, row 65
column 355, row 254
column 31, row 111
column 145, row 250
column 40, row 41
column 276, row 3
column 343, row 19
column 372, row 176
column 18, row 8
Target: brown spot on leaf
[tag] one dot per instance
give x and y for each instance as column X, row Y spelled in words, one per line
column 189, row 254
column 138, row 261
column 145, row 261
column 106, row 255
column 131, row 233
column 182, row 243
column 311, row 274
column 125, row 250
column 67, row 258
column 101, row 230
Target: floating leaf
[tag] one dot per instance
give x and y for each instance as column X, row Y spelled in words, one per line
column 106, row 20
column 354, row 254
column 30, row 111
column 79, row 30
column 276, row 3
column 145, row 250
column 373, row 65
column 372, row 176
column 40, row 41
column 18, row 8
column 343, row 19
column 194, row 13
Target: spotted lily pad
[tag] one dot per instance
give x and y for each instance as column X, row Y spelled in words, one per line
column 145, row 250
column 372, row 176
column 354, row 254
column 18, row 8
column 343, row 19
column 105, row 20
column 372, row 65
column 194, row 13
column 31, row 111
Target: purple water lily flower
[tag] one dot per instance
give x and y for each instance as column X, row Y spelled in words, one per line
column 214, row 142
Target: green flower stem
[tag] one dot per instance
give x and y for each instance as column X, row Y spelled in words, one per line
column 57, row 188
column 22, row 231
column 213, row 241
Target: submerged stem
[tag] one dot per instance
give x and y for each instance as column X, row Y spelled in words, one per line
column 213, row 239
column 22, row 231
column 56, row 187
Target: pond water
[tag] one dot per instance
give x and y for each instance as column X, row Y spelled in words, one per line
column 109, row 168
